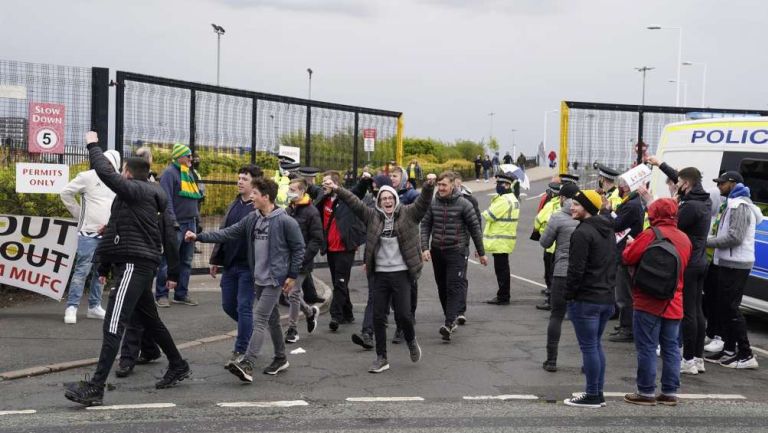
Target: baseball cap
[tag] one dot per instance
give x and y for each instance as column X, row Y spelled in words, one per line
column 729, row 176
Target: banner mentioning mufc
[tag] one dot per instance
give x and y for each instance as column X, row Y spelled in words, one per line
column 37, row 253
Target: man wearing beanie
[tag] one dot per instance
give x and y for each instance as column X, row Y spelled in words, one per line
column 589, row 290
column 184, row 194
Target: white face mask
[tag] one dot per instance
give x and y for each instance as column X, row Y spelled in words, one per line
column 293, row 196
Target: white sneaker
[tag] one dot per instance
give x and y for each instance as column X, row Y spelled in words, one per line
column 716, row 345
column 744, row 363
column 700, row 364
column 688, row 367
column 96, row 313
column 70, row 315
column 707, row 340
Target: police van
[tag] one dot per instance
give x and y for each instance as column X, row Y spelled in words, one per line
column 714, row 146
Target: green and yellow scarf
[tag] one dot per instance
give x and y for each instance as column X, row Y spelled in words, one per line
column 188, row 185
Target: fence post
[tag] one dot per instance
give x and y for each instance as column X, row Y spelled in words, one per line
column 192, row 124
column 100, row 104
column 254, row 120
column 355, row 150
column 564, row 114
column 641, row 115
column 308, row 138
column 119, row 111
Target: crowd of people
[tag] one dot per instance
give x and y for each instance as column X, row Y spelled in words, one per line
column 606, row 250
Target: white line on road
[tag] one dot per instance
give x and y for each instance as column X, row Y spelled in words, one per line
column 683, row 396
column 17, row 412
column 288, row 403
column 501, row 397
column 133, row 406
column 534, row 197
column 382, row 399
column 759, row 350
column 535, row 283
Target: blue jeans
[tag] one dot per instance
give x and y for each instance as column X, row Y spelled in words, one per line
column 186, row 249
column 83, row 266
column 237, row 295
column 589, row 322
column 651, row 331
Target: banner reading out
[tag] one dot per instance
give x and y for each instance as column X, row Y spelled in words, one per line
column 37, row 253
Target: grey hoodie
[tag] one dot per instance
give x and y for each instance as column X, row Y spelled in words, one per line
column 559, row 229
column 388, row 255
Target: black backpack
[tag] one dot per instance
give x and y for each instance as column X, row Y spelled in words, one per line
column 659, row 268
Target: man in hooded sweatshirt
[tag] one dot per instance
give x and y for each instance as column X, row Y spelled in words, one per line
column 734, row 244
column 694, row 219
column 392, row 257
column 657, row 321
column 589, row 288
column 275, row 257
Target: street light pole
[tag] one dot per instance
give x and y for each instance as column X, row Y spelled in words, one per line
column 679, row 55
column 685, row 91
column 514, row 145
column 546, row 113
column 309, row 71
column 490, row 134
column 703, row 80
column 644, row 69
column 219, row 30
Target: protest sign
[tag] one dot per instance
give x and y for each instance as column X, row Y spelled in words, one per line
column 637, row 176
column 37, row 253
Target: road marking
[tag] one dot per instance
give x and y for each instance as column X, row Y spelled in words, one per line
column 501, row 397
column 17, row 412
column 683, row 396
column 133, row 406
column 287, row 403
column 382, row 399
column 759, row 350
column 535, row 283
column 534, row 197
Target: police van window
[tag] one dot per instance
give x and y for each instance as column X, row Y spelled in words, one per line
column 755, row 172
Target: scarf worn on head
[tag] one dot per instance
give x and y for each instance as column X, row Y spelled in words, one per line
column 188, row 185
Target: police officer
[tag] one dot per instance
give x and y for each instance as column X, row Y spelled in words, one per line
column 500, row 233
column 607, row 183
column 539, row 225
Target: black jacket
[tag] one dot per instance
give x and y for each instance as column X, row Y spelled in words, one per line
column 592, row 262
column 311, row 226
column 629, row 215
column 350, row 227
column 139, row 228
column 450, row 222
column 693, row 217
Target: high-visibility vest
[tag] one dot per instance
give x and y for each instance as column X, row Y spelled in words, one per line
column 283, row 183
column 614, row 197
column 500, row 232
column 542, row 218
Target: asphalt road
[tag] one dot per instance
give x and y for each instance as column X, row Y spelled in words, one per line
column 497, row 354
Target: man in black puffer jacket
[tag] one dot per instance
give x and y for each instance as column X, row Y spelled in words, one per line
column 133, row 242
column 693, row 219
column 449, row 222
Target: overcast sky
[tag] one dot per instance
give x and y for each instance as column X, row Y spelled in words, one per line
column 445, row 63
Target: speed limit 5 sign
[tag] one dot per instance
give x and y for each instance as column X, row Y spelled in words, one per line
column 46, row 127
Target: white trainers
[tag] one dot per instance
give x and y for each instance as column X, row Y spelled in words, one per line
column 700, row 364
column 716, row 345
column 70, row 315
column 743, row 363
column 96, row 313
column 688, row 366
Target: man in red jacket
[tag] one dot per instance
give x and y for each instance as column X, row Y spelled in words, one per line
column 657, row 321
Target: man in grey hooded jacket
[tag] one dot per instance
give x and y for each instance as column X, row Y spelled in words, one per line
column 559, row 229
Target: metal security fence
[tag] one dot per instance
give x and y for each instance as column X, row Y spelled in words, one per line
column 83, row 91
column 609, row 134
column 228, row 128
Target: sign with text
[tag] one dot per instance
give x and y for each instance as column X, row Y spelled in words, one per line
column 291, row 152
column 37, row 253
column 369, row 139
column 41, row 178
column 637, row 176
column 46, row 128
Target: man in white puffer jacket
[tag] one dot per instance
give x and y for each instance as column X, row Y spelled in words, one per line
column 734, row 244
column 92, row 213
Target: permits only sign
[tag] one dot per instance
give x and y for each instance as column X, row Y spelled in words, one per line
column 46, row 128
column 369, row 139
column 37, row 253
column 33, row 178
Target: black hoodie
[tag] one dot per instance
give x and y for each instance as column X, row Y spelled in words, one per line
column 592, row 262
column 693, row 217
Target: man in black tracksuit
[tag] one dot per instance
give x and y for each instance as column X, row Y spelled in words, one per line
column 132, row 245
column 449, row 221
column 693, row 219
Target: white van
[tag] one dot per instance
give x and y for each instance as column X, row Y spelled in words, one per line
column 714, row 146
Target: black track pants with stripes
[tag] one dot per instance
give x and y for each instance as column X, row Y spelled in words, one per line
column 132, row 295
